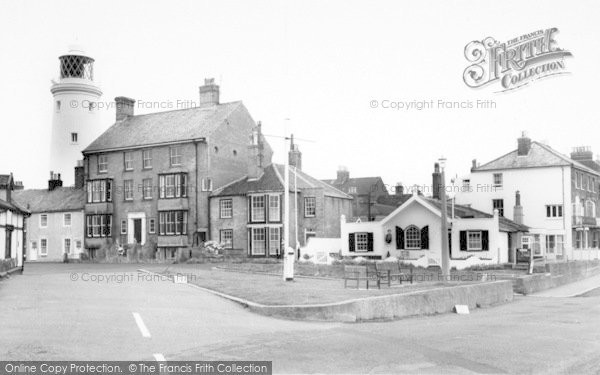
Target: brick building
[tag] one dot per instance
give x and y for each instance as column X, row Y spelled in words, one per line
column 149, row 176
column 247, row 214
column 370, row 195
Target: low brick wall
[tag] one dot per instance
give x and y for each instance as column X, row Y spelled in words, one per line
column 394, row 306
column 557, row 274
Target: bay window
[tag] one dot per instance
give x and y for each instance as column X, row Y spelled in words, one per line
column 173, row 185
column 172, row 223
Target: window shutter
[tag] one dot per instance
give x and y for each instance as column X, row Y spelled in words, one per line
column 249, row 241
column 108, row 191
column 485, row 240
column 266, row 210
column 89, row 192
column 370, row 241
column 450, row 241
column 463, row 240
column 425, row 237
column 250, row 208
column 399, row 238
column 351, row 242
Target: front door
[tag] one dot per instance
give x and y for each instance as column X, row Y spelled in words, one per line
column 33, row 252
column 137, row 230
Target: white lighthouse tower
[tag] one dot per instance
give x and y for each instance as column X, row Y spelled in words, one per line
column 75, row 121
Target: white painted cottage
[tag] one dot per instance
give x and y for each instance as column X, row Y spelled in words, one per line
column 412, row 233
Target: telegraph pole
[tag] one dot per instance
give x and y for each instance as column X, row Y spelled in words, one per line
column 445, row 252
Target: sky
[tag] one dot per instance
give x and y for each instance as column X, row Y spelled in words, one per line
column 320, row 64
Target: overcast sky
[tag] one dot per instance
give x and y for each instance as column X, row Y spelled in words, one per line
column 318, row 63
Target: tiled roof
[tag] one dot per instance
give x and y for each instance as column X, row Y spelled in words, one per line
column 163, row 127
column 464, row 212
column 273, row 180
column 57, row 200
column 540, row 155
column 364, row 185
column 305, row 181
column 379, row 209
column 4, row 205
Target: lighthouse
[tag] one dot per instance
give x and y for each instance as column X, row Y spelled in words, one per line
column 75, row 119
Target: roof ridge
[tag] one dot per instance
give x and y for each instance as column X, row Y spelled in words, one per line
column 182, row 109
column 565, row 157
column 322, row 184
column 221, row 188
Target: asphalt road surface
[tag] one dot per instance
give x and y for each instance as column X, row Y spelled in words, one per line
column 77, row 312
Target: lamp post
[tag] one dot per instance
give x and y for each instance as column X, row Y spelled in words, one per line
column 288, row 252
column 445, row 252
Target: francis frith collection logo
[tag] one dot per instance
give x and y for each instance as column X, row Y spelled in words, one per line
column 514, row 63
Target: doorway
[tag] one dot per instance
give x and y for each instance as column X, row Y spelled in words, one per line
column 137, row 230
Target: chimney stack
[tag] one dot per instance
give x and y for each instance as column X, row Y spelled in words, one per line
column 524, row 145
column 518, row 209
column 582, row 153
column 436, row 181
column 209, row 93
column 54, row 181
column 79, row 175
column 342, row 175
column 255, row 153
column 294, row 155
column 124, row 107
column 399, row 189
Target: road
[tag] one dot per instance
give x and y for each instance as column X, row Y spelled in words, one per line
column 47, row 316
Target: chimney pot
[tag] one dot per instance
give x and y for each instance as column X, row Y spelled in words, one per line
column 294, row 155
column 518, row 209
column 255, row 153
column 124, row 107
column 524, row 145
column 54, row 181
column 436, row 181
column 399, row 189
column 209, row 93
column 342, row 175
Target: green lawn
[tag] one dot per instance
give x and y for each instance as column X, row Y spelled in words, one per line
column 273, row 290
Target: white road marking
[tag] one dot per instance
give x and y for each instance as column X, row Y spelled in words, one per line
column 159, row 357
column 141, row 325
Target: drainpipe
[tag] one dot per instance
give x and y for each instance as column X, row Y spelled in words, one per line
column 196, row 193
column 564, row 218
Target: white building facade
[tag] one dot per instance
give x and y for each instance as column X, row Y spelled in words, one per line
column 412, row 233
column 76, row 118
column 559, row 198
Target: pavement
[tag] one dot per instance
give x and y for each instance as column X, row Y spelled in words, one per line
column 571, row 290
column 105, row 312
